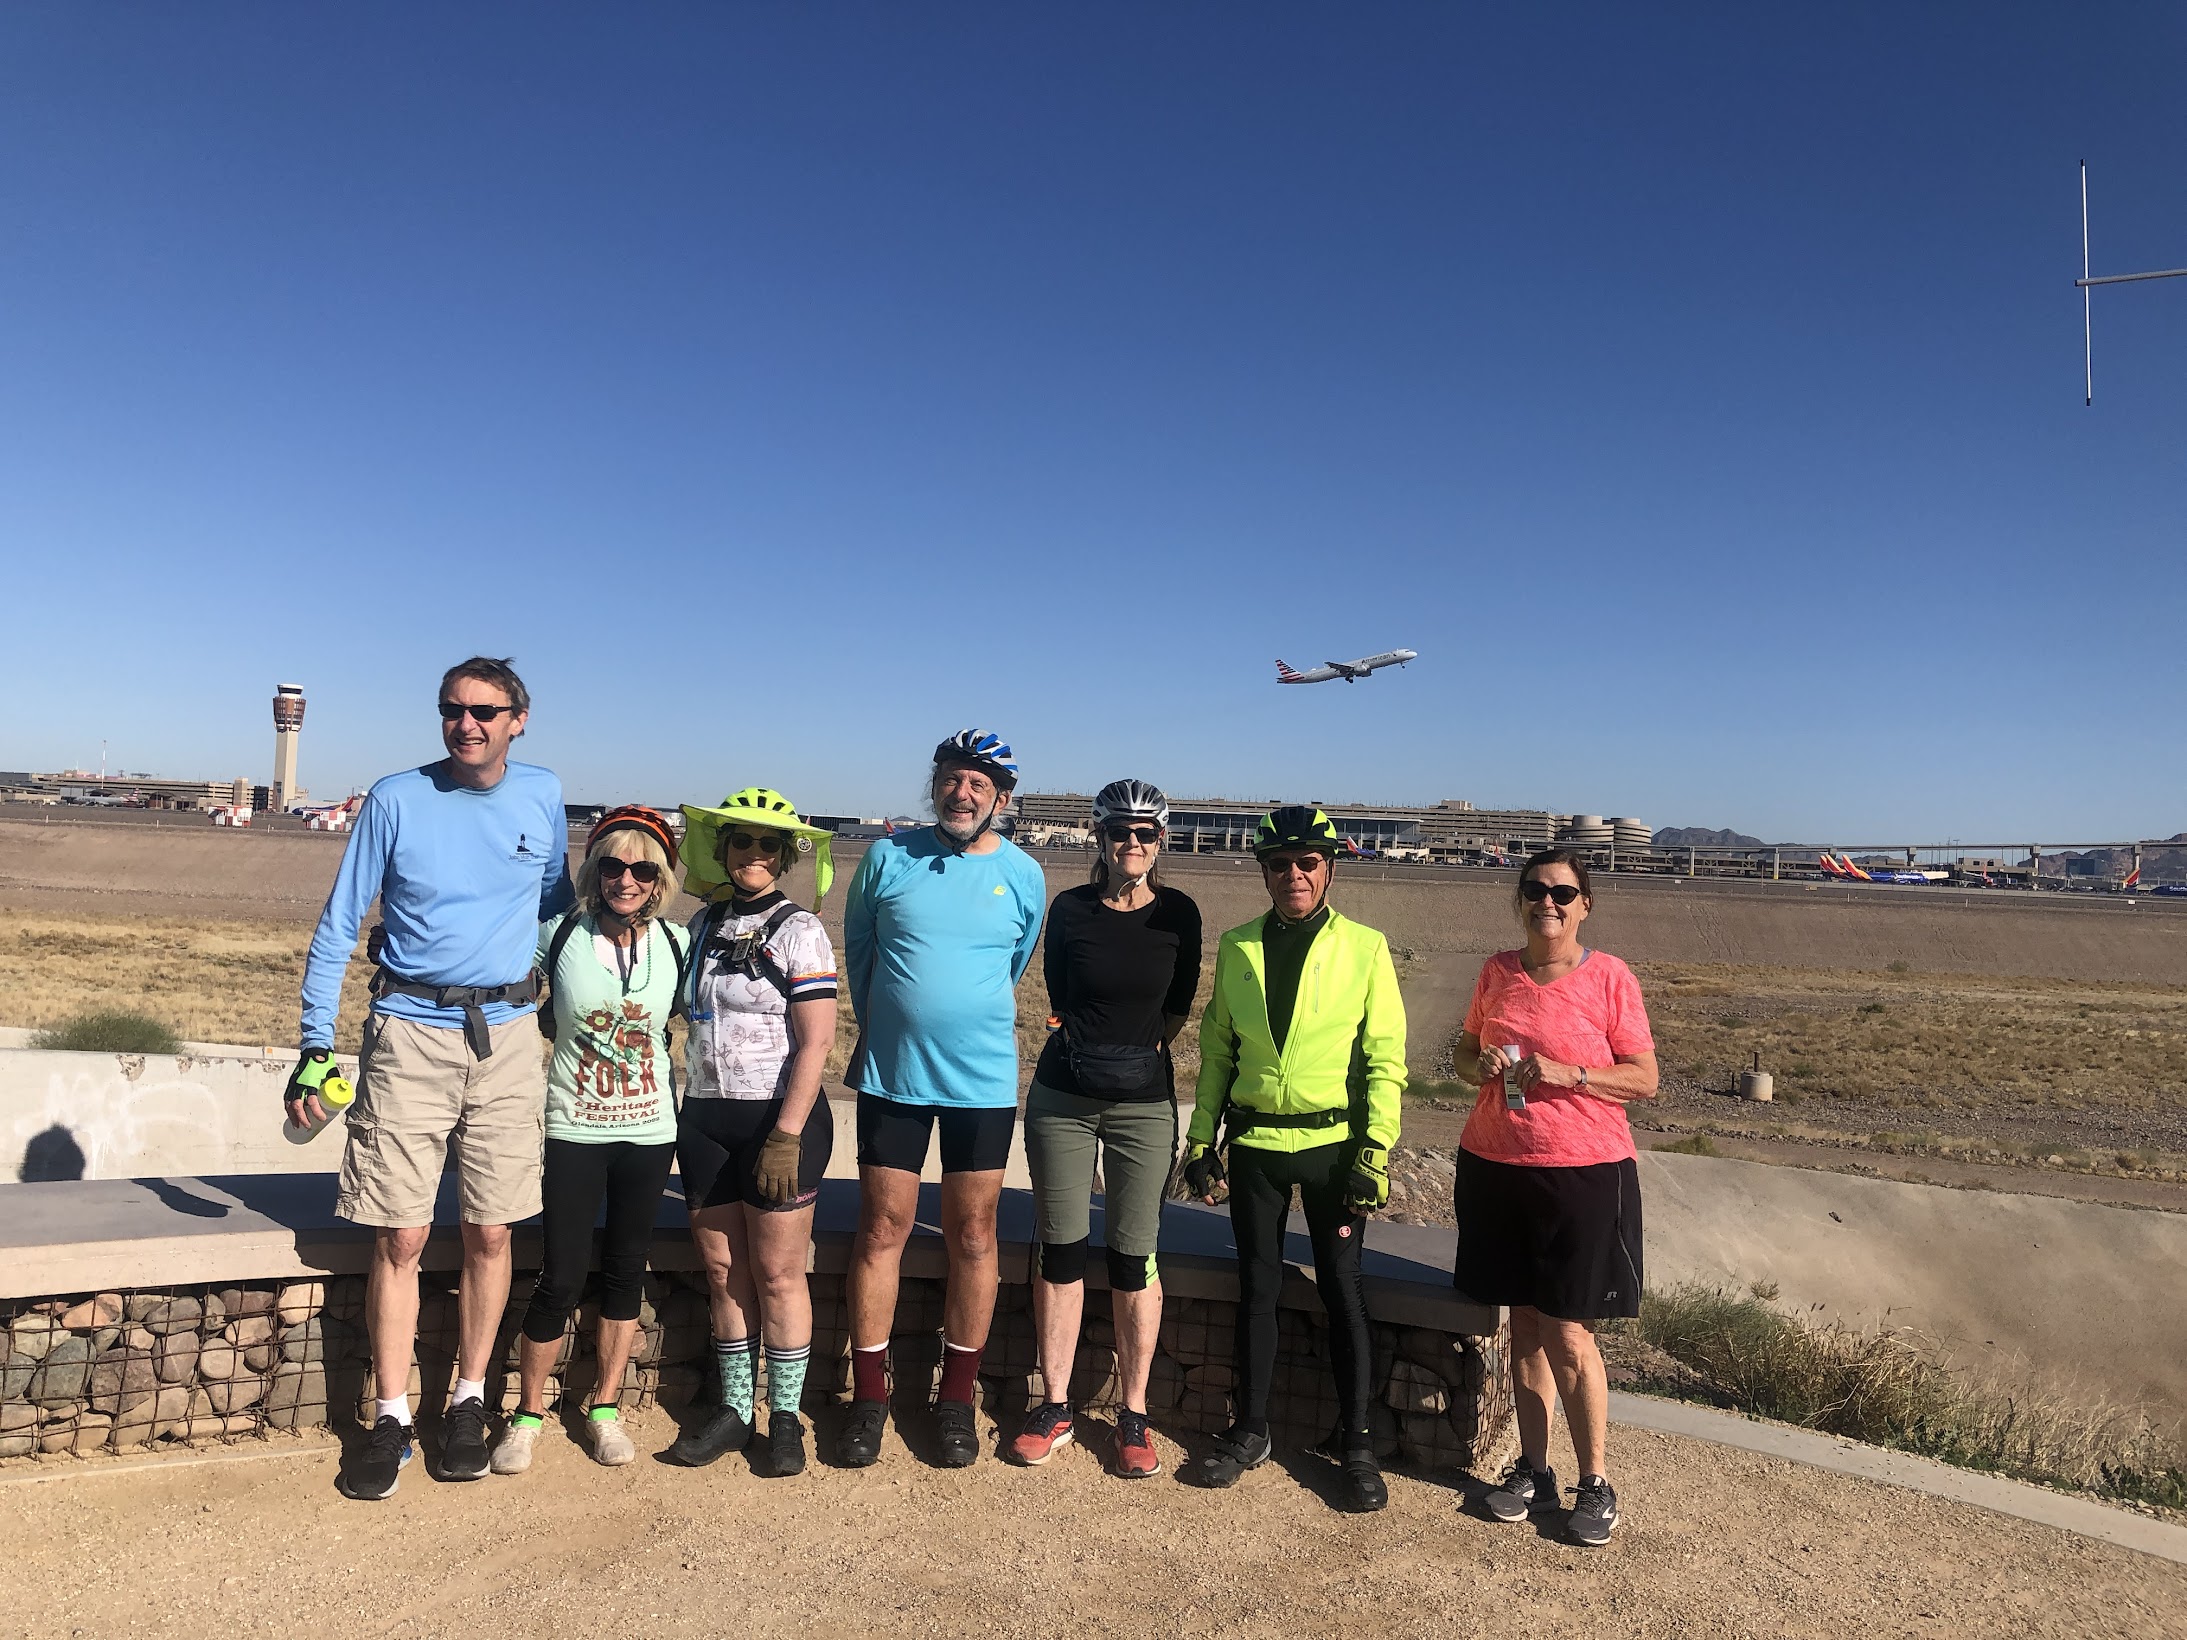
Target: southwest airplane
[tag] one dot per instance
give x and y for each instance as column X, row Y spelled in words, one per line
column 1349, row 671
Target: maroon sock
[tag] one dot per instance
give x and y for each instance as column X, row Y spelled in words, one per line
column 960, row 1373
column 869, row 1374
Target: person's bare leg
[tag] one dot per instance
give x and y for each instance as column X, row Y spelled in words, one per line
column 391, row 1307
column 534, row 1363
column 888, row 1206
column 613, row 1351
column 1138, row 1318
column 719, row 1234
column 1533, row 1385
column 1058, row 1307
column 1584, row 1388
column 483, row 1300
column 781, row 1248
column 975, row 1266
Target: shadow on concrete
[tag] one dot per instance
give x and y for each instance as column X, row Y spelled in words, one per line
column 51, row 1157
column 174, row 1197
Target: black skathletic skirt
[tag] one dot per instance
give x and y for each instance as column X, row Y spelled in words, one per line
column 1561, row 1240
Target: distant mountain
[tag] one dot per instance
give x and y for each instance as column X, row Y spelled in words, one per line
column 1702, row 837
column 2158, row 865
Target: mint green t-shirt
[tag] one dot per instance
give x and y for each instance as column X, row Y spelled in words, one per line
column 610, row 1078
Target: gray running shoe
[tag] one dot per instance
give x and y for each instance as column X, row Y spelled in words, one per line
column 611, row 1442
column 1525, row 1490
column 1594, row 1513
column 513, row 1452
column 463, row 1455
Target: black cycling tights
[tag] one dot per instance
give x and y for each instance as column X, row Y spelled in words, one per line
column 574, row 1181
column 1260, row 1202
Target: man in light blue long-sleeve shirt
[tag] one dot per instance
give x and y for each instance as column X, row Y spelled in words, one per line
column 465, row 857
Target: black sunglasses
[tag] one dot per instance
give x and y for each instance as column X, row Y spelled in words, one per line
column 767, row 842
column 451, row 710
column 644, row 870
column 1117, row 832
column 1534, row 891
column 1305, row 865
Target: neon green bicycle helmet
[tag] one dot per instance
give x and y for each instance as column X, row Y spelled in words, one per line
column 755, row 808
column 1295, row 825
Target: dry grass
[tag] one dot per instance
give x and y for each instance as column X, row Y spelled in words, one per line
column 1968, row 1041
column 1878, row 1387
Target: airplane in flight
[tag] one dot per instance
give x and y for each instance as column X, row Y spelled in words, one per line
column 1349, row 671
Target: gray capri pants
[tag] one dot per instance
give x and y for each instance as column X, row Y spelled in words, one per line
column 1137, row 1142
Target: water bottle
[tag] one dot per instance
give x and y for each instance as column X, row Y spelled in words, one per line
column 1514, row 1094
column 323, row 1076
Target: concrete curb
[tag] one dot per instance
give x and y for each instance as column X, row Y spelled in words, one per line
column 1874, row 1463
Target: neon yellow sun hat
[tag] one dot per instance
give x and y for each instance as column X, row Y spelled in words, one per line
column 756, row 808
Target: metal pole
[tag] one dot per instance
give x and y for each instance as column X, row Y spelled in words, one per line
column 2129, row 278
column 2088, row 337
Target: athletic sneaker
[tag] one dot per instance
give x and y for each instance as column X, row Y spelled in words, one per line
column 610, row 1441
column 375, row 1471
column 1047, row 1432
column 957, row 1438
column 724, row 1431
column 1594, row 1512
column 1525, row 1490
column 1228, row 1456
column 1136, row 1458
column 785, row 1444
column 513, row 1452
column 463, row 1455
column 859, row 1443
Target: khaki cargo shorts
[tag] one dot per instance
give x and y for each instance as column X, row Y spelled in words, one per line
column 423, row 1102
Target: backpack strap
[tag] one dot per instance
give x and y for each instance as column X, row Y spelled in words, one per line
column 773, row 926
column 556, row 944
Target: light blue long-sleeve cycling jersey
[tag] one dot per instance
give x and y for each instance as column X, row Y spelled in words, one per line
column 935, row 943
column 463, row 878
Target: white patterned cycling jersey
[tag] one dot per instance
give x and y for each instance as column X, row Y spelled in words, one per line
column 743, row 981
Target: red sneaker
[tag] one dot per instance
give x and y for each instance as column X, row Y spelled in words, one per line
column 1136, row 1458
column 1047, row 1432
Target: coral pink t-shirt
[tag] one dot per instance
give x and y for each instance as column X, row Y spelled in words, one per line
column 1588, row 1017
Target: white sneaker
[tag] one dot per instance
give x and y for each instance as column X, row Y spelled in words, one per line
column 611, row 1443
column 513, row 1452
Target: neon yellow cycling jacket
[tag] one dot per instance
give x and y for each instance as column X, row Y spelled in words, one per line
column 1346, row 1040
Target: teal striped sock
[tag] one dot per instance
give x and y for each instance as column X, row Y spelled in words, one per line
column 786, row 1377
column 737, row 1360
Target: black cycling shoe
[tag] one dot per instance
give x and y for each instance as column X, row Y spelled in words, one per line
column 1228, row 1456
column 463, row 1453
column 377, row 1468
column 723, row 1433
column 1362, row 1491
column 785, row 1444
column 859, row 1442
column 957, row 1438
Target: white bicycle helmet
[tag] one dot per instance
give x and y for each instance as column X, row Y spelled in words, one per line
column 1130, row 800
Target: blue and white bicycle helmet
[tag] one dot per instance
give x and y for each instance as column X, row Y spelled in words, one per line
column 1130, row 800
column 981, row 749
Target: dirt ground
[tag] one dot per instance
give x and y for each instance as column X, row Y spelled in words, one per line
column 1714, row 1542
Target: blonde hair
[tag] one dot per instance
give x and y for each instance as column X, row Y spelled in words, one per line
column 625, row 844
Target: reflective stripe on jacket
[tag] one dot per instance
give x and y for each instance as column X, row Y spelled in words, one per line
column 1346, row 1041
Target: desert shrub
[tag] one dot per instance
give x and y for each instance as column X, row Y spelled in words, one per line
column 110, row 1030
column 1693, row 1144
column 1878, row 1388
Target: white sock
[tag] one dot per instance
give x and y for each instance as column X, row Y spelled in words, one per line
column 398, row 1408
column 468, row 1389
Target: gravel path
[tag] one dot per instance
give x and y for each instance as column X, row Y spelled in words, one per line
column 1714, row 1542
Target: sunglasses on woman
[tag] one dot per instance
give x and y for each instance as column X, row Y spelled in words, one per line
column 767, row 842
column 1534, row 891
column 450, row 710
column 644, row 870
column 1117, row 832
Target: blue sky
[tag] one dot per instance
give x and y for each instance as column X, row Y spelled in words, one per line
column 784, row 387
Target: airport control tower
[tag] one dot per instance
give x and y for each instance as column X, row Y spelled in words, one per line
column 288, row 728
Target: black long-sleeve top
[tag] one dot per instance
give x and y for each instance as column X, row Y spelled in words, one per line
column 1114, row 975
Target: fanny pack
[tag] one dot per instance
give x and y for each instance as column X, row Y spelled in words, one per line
column 1105, row 1068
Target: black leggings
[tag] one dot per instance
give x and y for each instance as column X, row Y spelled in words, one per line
column 577, row 1176
column 1260, row 1202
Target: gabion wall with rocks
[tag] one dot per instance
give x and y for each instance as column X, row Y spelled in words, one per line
column 127, row 1370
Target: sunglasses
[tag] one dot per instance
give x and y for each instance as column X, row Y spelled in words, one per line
column 767, row 842
column 1534, row 891
column 1305, row 865
column 644, row 870
column 1118, row 832
column 450, row 711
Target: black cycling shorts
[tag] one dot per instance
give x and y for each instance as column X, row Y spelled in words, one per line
column 894, row 1134
column 1561, row 1240
column 717, row 1150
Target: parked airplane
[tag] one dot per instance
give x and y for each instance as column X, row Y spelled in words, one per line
column 329, row 816
column 1349, row 671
